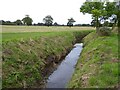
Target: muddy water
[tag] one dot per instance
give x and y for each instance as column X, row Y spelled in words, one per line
column 61, row 76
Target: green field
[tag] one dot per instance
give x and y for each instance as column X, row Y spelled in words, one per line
column 14, row 29
column 26, row 32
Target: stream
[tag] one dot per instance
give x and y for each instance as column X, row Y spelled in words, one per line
column 61, row 76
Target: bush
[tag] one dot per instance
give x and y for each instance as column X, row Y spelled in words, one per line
column 104, row 31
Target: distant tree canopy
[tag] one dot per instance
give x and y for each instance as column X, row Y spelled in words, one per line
column 18, row 22
column 2, row 22
column 48, row 20
column 27, row 20
column 56, row 24
column 70, row 22
column 40, row 24
column 83, row 25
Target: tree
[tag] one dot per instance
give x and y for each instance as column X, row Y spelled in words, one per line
column 113, row 10
column 56, row 24
column 102, row 11
column 94, row 8
column 93, row 23
column 2, row 22
column 18, row 22
column 40, row 24
column 70, row 22
column 27, row 20
column 48, row 20
column 118, row 17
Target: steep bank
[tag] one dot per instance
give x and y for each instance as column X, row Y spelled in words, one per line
column 28, row 61
column 98, row 63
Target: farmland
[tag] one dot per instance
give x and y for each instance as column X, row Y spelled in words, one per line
column 60, row 44
column 30, row 54
column 15, row 29
column 22, row 32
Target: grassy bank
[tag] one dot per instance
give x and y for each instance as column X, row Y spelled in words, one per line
column 98, row 64
column 29, row 57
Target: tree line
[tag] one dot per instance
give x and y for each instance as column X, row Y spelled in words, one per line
column 48, row 21
column 27, row 20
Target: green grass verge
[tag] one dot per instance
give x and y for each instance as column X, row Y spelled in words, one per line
column 25, row 55
column 98, row 63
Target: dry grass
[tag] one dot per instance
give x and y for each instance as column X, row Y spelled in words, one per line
column 11, row 29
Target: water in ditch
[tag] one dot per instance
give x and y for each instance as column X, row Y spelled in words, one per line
column 61, row 76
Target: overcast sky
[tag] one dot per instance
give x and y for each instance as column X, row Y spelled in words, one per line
column 60, row 10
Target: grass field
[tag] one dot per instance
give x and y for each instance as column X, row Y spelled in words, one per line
column 27, row 32
column 15, row 29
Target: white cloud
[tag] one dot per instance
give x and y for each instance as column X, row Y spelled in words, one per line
column 60, row 10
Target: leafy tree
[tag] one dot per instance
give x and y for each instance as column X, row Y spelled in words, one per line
column 113, row 10
column 48, row 20
column 27, row 20
column 102, row 11
column 94, row 8
column 2, row 22
column 7, row 22
column 118, row 14
column 18, row 22
column 93, row 23
column 70, row 22
column 40, row 24
column 56, row 24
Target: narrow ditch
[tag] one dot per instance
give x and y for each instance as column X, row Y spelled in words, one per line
column 61, row 76
column 53, row 62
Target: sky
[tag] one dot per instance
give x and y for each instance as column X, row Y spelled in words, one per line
column 60, row 10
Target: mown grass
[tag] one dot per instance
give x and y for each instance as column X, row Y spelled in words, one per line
column 98, row 64
column 25, row 55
